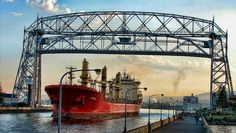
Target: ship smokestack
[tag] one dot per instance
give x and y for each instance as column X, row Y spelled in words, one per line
column 85, row 75
column 104, row 79
column 118, row 84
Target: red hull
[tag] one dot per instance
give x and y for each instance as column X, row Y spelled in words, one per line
column 86, row 103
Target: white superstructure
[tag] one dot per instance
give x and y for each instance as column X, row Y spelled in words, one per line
column 126, row 82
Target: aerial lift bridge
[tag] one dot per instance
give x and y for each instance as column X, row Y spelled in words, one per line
column 122, row 32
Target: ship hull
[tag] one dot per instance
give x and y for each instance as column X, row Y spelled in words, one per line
column 80, row 102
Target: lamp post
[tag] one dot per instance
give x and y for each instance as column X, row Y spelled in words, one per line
column 179, row 107
column 161, row 112
column 176, row 107
column 29, row 83
column 168, row 106
column 161, row 109
column 149, row 124
column 169, row 110
column 173, row 106
column 125, row 129
column 60, row 92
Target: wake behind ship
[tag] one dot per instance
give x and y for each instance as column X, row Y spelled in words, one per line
column 84, row 101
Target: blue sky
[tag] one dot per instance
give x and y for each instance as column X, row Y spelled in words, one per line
column 15, row 14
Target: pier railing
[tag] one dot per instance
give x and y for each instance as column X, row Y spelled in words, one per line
column 155, row 125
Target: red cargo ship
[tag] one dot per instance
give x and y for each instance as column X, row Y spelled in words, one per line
column 84, row 102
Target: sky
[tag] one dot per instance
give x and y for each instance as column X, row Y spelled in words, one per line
column 160, row 74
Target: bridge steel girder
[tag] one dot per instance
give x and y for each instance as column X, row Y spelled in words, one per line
column 148, row 33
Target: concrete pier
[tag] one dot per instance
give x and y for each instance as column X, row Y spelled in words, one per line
column 186, row 125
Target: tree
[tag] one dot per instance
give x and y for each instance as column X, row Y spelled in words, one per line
column 222, row 98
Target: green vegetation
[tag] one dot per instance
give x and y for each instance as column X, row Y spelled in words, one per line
column 225, row 113
column 221, row 118
column 221, row 101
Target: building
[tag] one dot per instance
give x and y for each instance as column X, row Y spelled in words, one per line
column 190, row 104
column 5, row 98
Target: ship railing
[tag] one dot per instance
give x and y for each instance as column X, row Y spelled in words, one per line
column 121, row 101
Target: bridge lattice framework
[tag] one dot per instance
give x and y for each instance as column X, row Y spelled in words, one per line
column 122, row 32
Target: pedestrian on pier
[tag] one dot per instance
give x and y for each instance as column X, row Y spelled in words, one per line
column 196, row 118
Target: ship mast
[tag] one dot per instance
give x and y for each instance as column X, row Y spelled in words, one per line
column 118, row 84
column 85, row 75
column 71, row 75
column 104, row 80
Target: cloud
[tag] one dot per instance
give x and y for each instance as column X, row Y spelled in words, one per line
column 16, row 14
column 150, row 61
column 166, row 64
column 177, row 71
column 9, row 1
column 50, row 6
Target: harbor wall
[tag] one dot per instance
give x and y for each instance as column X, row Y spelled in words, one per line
column 207, row 128
column 25, row 109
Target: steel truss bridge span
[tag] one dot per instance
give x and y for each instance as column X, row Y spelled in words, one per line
column 122, row 32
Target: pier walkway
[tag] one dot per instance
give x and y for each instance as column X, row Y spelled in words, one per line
column 186, row 125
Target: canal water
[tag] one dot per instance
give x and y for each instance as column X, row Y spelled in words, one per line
column 43, row 123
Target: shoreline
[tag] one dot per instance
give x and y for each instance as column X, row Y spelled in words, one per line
column 5, row 110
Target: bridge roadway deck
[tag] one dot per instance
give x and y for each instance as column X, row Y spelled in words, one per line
column 186, row 125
